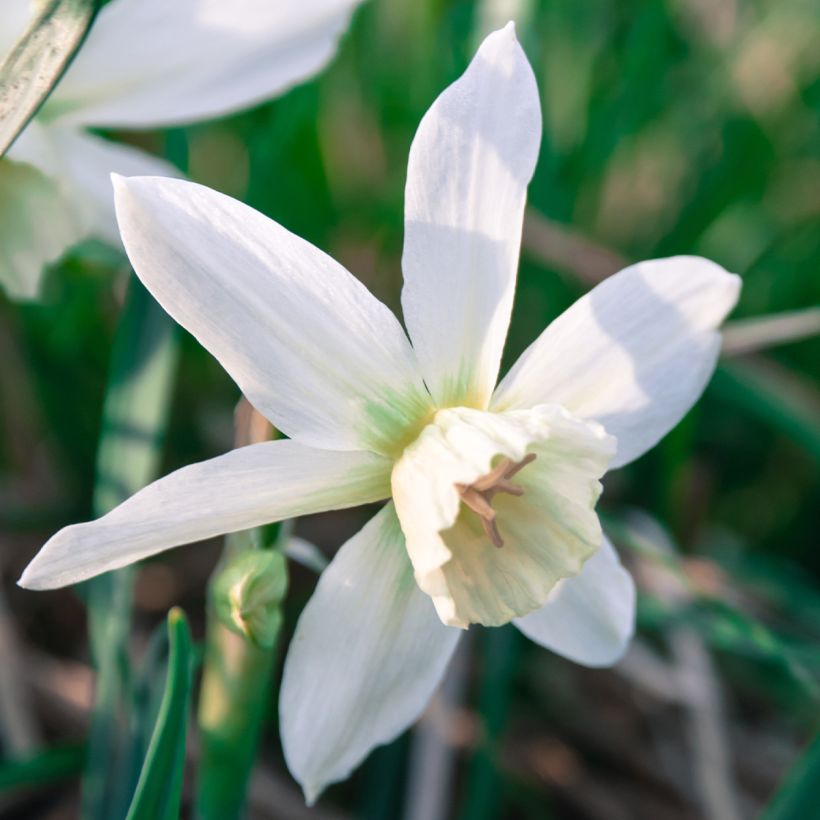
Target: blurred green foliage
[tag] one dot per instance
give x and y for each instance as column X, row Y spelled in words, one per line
column 671, row 126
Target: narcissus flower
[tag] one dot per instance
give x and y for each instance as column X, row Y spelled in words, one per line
column 145, row 64
column 491, row 489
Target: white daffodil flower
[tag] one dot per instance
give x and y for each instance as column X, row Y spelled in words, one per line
column 145, row 64
column 492, row 489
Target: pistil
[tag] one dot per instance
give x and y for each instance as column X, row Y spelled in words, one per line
column 478, row 496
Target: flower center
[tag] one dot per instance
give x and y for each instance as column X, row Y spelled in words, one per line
column 478, row 496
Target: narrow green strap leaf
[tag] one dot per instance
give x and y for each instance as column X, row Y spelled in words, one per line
column 783, row 398
column 799, row 795
column 38, row 60
column 159, row 789
column 42, row 768
column 135, row 414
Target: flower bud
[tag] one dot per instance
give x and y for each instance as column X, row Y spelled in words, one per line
column 247, row 593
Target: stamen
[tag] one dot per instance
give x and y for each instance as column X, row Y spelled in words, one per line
column 499, row 472
column 508, row 487
column 478, row 495
column 518, row 466
column 477, row 502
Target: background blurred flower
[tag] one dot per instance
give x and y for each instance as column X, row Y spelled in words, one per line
column 145, row 64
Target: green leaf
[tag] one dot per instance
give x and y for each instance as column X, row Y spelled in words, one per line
column 42, row 768
column 134, row 420
column 799, row 795
column 159, row 789
column 38, row 60
column 774, row 394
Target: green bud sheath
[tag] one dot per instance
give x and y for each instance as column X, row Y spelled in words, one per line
column 243, row 628
column 247, row 594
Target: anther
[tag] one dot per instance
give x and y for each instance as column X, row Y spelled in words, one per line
column 478, row 495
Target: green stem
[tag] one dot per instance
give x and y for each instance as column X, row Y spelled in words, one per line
column 483, row 788
column 245, row 594
column 236, row 690
column 135, row 416
column 244, row 619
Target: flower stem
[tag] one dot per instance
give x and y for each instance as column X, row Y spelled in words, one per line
column 244, row 618
column 236, row 688
column 482, row 796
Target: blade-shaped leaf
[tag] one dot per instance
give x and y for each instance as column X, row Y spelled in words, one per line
column 778, row 396
column 42, row 768
column 135, row 414
column 38, row 60
column 799, row 795
column 159, row 789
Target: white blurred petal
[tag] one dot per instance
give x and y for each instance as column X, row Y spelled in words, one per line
column 590, row 618
column 367, row 653
column 244, row 488
column 469, row 167
column 634, row 354
column 89, row 161
column 82, row 164
column 307, row 343
column 548, row 532
column 151, row 63
column 37, row 225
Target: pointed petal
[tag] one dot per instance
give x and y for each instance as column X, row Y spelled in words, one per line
column 306, row 342
column 470, row 164
column 590, row 618
column 547, row 532
column 634, row 354
column 151, row 63
column 244, row 488
column 367, row 653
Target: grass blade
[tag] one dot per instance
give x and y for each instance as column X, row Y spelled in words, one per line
column 799, row 796
column 42, row 768
column 134, row 421
column 159, row 789
column 774, row 394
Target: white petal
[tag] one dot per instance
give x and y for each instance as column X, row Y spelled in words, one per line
column 310, row 347
column 367, row 653
column 548, row 532
column 153, row 63
column 37, row 225
column 635, row 353
column 589, row 619
column 470, row 164
column 244, row 488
